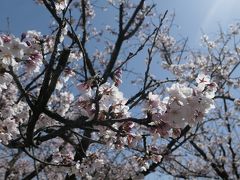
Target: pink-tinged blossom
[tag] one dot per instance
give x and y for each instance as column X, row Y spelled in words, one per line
column 6, row 38
column 202, row 81
column 113, row 98
column 111, row 101
column 11, row 114
column 11, row 126
column 84, row 87
column 12, row 50
column 5, row 138
column 185, row 105
column 237, row 104
column 211, row 90
column 117, row 78
column 17, row 48
column 61, row 5
column 65, row 101
column 145, row 166
column 33, row 62
column 176, row 115
column 154, row 104
column 180, row 92
column 160, row 128
column 6, row 57
column 32, row 37
column 234, row 28
column 5, row 80
column 48, row 43
column 59, row 85
column 75, row 56
column 85, row 106
column 68, row 73
column 32, row 66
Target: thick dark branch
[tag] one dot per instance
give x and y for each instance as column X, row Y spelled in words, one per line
column 81, row 122
column 45, row 94
column 62, row 62
column 84, row 35
column 121, row 14
column 47, row 76
column 52, row 133
column 138, row 25
column 113, row 57
column 133, row 17
column 119, row 43
column 83, row 145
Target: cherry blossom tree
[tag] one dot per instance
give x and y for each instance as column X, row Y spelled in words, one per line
column 66, row 114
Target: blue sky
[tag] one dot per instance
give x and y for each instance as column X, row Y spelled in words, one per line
column 192, row 16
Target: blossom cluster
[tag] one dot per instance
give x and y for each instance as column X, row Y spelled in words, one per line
column 12, row 114
column 184, row 106
column 26, row 51
column 107, row 98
